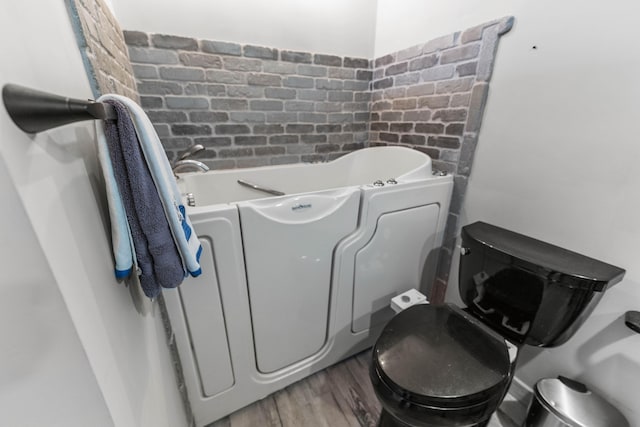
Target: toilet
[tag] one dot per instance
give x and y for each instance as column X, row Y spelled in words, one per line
column 446, row 366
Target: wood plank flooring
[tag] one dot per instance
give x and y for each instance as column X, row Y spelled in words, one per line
column 339, row 396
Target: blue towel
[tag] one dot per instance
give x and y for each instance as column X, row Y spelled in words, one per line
column 156, row 253
column 185, row 238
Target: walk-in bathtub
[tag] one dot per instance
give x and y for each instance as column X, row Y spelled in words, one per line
column 294, row 283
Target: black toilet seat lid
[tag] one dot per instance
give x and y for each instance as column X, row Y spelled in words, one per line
column 440, row 355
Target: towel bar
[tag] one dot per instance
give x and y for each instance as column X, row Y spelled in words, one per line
column 34, row 111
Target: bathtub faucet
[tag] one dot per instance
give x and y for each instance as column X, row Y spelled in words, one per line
column 184, row 162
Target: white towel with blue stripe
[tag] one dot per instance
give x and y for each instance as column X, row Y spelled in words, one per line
column 186, row 240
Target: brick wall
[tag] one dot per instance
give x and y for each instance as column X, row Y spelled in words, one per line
column 103, row 48
column 431, row 97
column 250, row 105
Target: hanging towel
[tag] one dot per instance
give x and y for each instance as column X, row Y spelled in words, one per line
column 156, row 253
column 185, row 238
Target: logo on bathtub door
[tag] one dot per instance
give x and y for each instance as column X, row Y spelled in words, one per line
column 300, row 206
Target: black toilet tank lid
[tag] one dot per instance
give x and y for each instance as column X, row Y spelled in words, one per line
column 580, row 269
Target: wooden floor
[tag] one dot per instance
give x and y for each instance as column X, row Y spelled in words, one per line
column 339, row 396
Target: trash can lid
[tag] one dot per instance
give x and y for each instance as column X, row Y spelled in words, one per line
column 576, row 405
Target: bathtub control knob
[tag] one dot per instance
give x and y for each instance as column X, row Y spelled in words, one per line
column 465, row 251
column 392, row 181
column 378, row 183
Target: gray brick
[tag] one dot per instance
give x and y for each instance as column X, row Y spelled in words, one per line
column 340, row 117
column 245, row 91
column 283, row 139
column 213, row 141
column 404, row 104
column 221, row 164
column 312, row 70
column 313, row 158
column 229, row 77
column 189, row 129
column 167, row 116
column 407, row 79
column 197, row 89
column 266, row 105
column 279, row 67
column 355, row 106
column 444, row 142
column 356, row 62
column 408, row 53
column 391, row 116
column 252, row 162
column 430, row 128
column 298, row 82
column 467, row 69
column 328, row 128
column 223, row 48
column 150, row 102
column 395, row 92
column 378, row 74
column 460, row 100
column 476, row 106
column 362, row 97
column 232, row 129
column 389, row 137
column 251, row 51
column 454, row 86
column 152, row 56
column 423, row 62
column 340, row 96
column 413, row 139
column 380, row 126
column 401, row 127
column 327, row 148
column 467, row 151
column 355, row 127
column 145, row 71
column 235, row 152
column 177, row 143
column 284, row 160
column 182, row 74
column 453, row 115
column 364, row 75
column 331, row 60
column 364, row 116
column 291, row 56
column 264, row 80
column 417, row 116
column 312, row 94
column 423, row 89
column 229, row 104
column 268, row 129
column 438, row 73
column 440, row 43
column 383, row 84
column 280, row 117
column 487, row 53
column 186, row 103
column 269, row 151
column 342, row 73
column 357, row 85
column 304, row 149
column 381, row 105
column 462, row 53
column 193, row 59
column 297, row 128
column 394, row 69
column 242, row 64
column 313, row 139
column 136, row 38
column 352, row 146
column 173, row 42
column 450, row 156
column 208, row 117
column 472, row 34
column 250, row 140
column 434, row 102
column 305, row 117
column 299, row 106
column 247, row 117
column 429, row 151
column 384, row 60
column 279, row 93
column 214, row 90
column 456, row 129
column 162, row 130
column 329, row 84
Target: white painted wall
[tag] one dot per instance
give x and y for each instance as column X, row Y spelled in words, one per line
column 77, row 340
column 557, row 155
column 330, row 26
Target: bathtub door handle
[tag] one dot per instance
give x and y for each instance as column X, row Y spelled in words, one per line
column 260, row 188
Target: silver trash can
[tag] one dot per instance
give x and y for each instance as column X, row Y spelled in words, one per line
column 562, row 402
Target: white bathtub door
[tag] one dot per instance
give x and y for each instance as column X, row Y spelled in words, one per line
column 288, row 247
